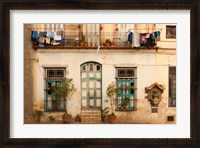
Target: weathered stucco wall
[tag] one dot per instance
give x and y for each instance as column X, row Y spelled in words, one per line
column 28, row 75
column 151, row 66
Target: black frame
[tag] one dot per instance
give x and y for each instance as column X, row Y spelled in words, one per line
column 7, row 5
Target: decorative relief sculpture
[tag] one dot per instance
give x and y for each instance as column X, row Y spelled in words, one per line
column 154, row 93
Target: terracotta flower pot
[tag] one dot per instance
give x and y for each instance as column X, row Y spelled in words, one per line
column 38, row 119
column 67, row 118
column 112, row 119
column 82, row 44
column 108, row 44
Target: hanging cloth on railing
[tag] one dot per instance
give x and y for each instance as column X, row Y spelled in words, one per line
column 130, row 37
column 136, row 40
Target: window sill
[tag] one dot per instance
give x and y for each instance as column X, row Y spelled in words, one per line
column 126, row 110
column 52, row 111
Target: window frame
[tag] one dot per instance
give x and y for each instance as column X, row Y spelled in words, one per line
column 170, row 104
column 55, row 80
column 132, row 78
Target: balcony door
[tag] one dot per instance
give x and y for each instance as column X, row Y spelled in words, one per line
column 91, row 85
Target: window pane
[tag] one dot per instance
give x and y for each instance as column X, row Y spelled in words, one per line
column 172, row 86
column 126, row 72
column 55, row 73
column 49, row 87
column 60, row 73
column 84, row 67
column 121, row 73
column 98, row 68
column 130, row 73
column 91, row 67
column 50, row 73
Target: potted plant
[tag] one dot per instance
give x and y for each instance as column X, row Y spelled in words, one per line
column 52, row 118
column 108, row 42
column 125, row 103
column 78, row 118
column 37, row 114
column 104, row 114
column 82, row 42
column 65, row 91
column 67, row 118
column 112, row 92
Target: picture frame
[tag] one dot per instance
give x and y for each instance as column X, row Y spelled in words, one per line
column 6, row 7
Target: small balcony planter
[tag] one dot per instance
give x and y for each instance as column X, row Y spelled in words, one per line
column 82, row 44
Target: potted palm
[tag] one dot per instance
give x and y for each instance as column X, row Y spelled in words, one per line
column 65, row 91
column 112, row 92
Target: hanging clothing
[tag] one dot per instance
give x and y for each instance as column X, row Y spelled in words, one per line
column 147, row 35
column 130, row 37
column 57, row 37
column 158, row 33
column 143, row 39
column 34, row 35
column 52, row 35
column 136, row 39
column 47, row 40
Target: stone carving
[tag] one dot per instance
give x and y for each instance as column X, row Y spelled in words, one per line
column 154, row 93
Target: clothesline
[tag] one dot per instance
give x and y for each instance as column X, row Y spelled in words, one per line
column 158, row 29
column 45, row 28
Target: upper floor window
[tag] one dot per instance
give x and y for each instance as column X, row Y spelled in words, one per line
column 170, row 32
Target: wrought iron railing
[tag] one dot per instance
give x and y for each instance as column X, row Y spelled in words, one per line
column 54, row 105
column 130, row 105
column 92, row 39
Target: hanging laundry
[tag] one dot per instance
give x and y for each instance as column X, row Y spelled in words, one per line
column 130, row 37
column 41, row 41
column 57, row 37
column 147, row 35
column 136, row 39
column 52, row 34
column 54, row 43
column 143, row 39
column 158, row 33
column 34, row 35
column 158, row 36
column 59, row 32
column 47, row 40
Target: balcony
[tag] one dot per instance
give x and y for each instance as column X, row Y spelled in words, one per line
column 92, row 40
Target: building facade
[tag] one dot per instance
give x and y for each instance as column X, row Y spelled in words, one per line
column 149, row 70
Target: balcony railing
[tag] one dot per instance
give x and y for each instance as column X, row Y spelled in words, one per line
column 92, row 40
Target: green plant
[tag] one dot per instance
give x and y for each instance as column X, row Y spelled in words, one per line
column 78, row 118
column 104, row 113
column 108, row 41
column 112, row 92
column 65, row 90
column 125, row 103
column 37, row 113
column 51, row 118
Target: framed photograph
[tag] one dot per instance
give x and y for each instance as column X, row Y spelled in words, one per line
column 99, row 74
